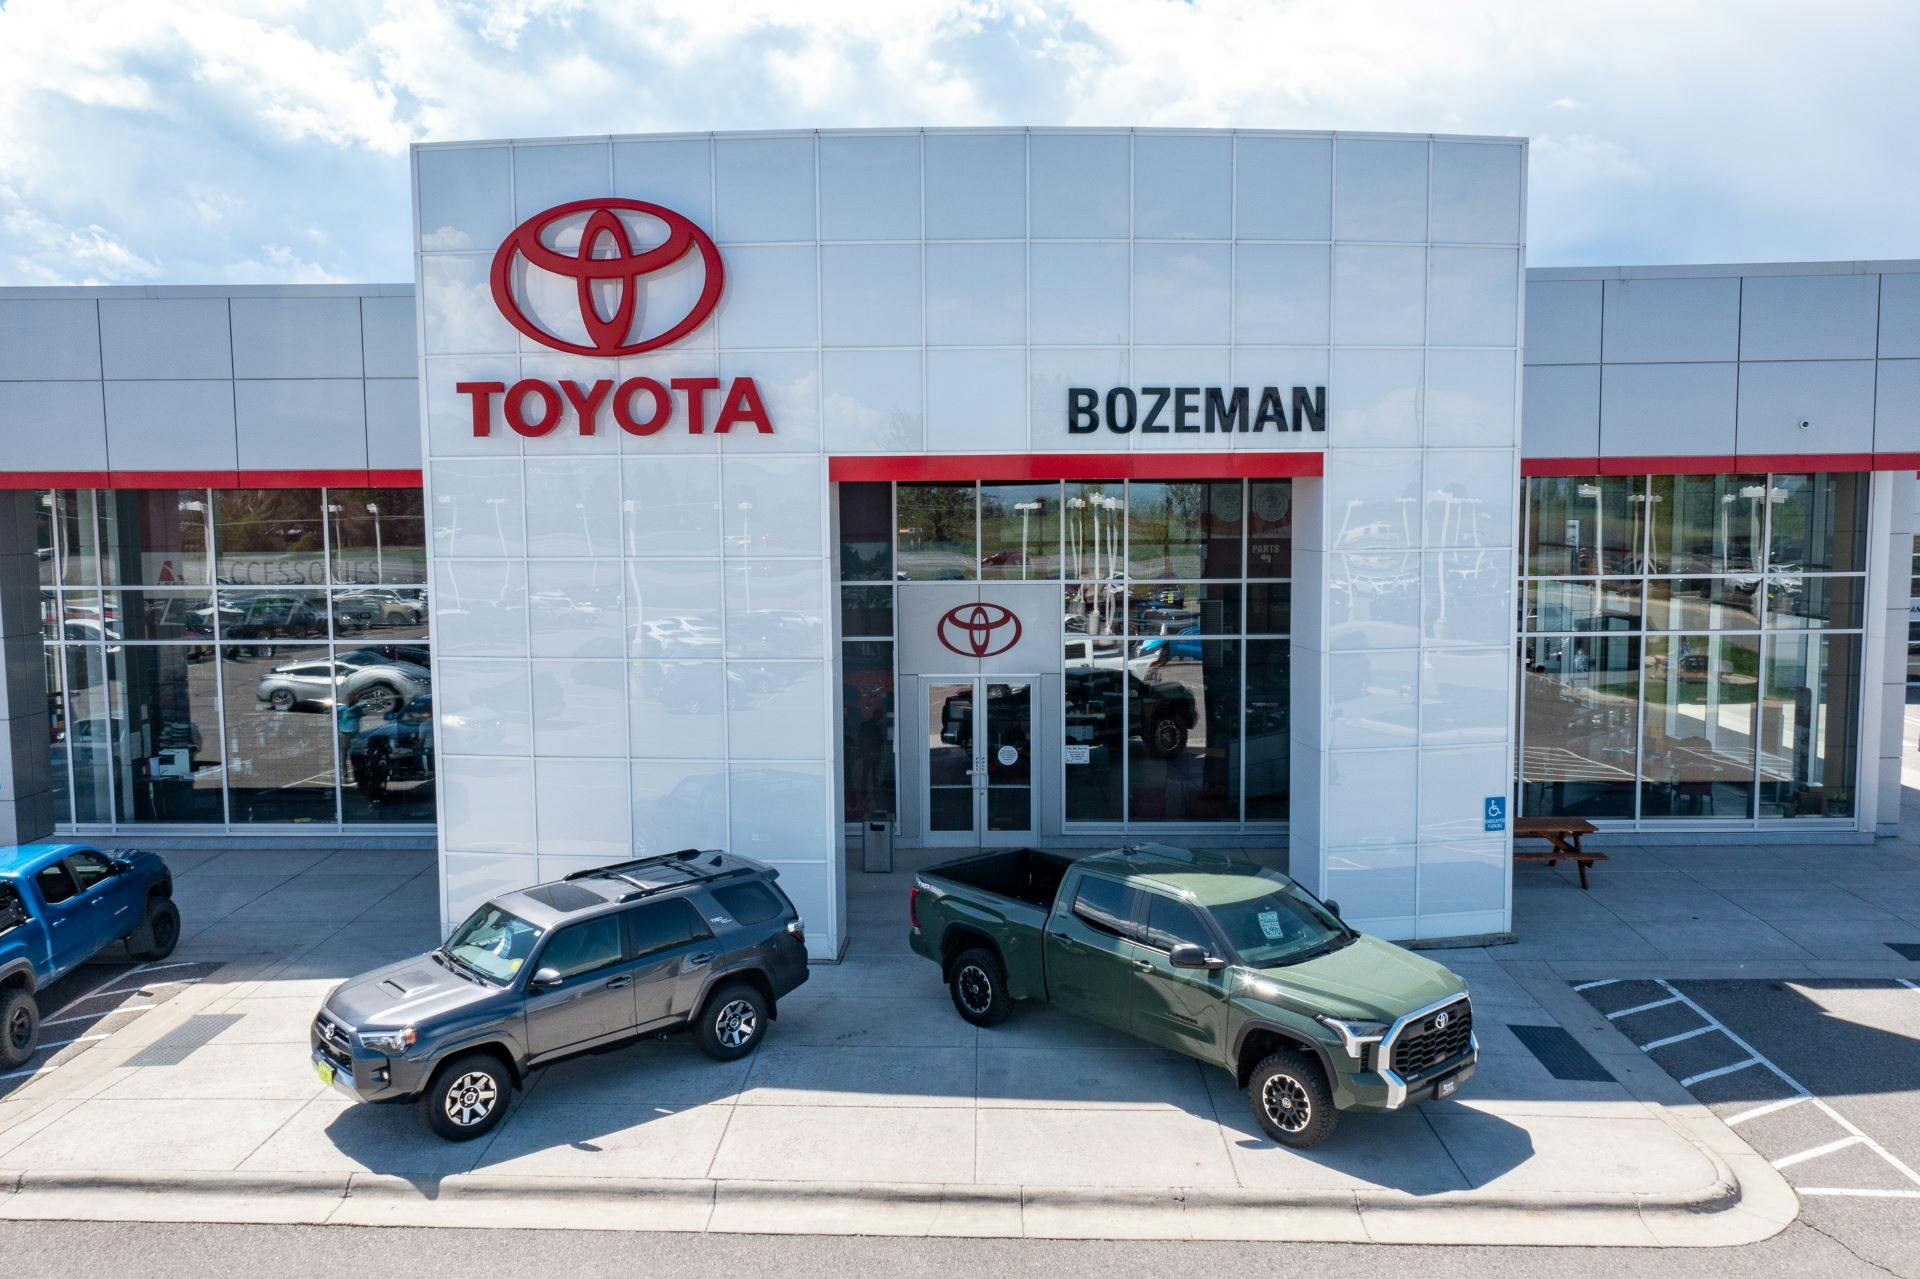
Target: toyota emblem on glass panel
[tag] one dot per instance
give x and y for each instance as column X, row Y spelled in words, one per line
column 610, row 275
column 978, row 630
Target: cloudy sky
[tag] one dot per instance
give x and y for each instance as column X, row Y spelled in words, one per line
column 167, row 141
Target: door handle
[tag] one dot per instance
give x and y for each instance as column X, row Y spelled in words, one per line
column 1143, row 965
column 697, row 961
column 620, row 983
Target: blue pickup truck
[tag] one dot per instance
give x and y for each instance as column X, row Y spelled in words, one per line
column 60, row 905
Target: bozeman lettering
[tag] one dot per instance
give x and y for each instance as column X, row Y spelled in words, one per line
column 1082, row 417
column 1226, row 414
column 640, row 405
column 1214, row 410
column 1271, row 410
column 1153, row 425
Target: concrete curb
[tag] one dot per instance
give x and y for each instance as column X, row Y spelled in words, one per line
column 1715, row 1215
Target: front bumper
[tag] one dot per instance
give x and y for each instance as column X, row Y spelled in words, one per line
column 363, row 1076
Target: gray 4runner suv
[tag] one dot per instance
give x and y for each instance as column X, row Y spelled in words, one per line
column 698, row 940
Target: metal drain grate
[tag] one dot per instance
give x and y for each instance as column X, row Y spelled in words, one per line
column 1561, row 1054
column 1905, row 949
column 179, row 1043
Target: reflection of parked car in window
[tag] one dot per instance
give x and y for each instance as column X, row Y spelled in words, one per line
column 270, row 617
column 1169, row 643
column 375, row 687
column 399, row 750
column 374, row 654
column 1160, row 715
column 387, row 607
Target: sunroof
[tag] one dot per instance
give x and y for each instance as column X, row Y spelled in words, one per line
column 566, row 897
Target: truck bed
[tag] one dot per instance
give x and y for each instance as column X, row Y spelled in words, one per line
column 1025, row 874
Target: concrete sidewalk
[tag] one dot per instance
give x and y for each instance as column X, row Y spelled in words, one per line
column 871, row 1108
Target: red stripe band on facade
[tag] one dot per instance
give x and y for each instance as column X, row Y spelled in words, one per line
column 918, row 467
column 14, row 481
column 1717, row 464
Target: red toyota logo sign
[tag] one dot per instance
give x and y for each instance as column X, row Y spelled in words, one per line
column 978, row 630
column 606, row 256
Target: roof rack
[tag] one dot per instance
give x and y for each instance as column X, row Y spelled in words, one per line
column 679, row 861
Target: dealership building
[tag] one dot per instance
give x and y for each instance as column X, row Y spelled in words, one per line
column 799, row 492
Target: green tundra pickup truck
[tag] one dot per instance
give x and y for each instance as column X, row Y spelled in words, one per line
column 1213, row 955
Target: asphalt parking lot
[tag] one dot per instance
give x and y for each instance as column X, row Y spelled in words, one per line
column 1821, row 1076
column 93, row 1001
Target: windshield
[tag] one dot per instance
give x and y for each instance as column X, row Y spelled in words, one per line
column 1279, row 927
column 493, row 942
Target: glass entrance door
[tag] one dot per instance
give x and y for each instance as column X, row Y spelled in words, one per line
column 979, row 761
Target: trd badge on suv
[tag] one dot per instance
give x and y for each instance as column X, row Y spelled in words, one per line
column 697, row 940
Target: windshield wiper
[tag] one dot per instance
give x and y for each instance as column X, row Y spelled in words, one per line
column 1336, row 942
column 459, row 965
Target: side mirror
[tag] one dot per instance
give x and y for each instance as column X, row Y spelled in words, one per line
column 1187, row 955
column 1333, row 907
column 544, row 979
column 119, row 867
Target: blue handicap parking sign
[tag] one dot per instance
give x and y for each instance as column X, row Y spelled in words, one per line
column 1496, row 812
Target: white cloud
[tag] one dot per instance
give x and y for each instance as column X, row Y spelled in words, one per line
column 180, row 138
column 278, row 264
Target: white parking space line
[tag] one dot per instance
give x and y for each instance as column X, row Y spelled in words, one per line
column 79, row 1039
column 1862, row 1194
column 1767, row 1109
column 1674, row 1039
column 1904, row 982
column 22, row 1074
column 134, row 1011
column 118, row 984
column 1641, row 1008
column 1788, row 1161
column 1691, row 1080
column 1760, row 1058
column 150, row 985
column 1595, row 985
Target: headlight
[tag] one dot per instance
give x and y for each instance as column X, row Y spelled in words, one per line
column 389, row 1042
column 1355, row 1035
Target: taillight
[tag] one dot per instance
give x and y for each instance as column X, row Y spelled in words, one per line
column 913, row 905
column 797, row 929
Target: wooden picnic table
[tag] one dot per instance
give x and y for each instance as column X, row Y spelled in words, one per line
column 1563, row 837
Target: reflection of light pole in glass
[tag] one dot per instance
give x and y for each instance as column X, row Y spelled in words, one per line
column 1593, row 491
column 379, row 556
column 1078, row 506
column 1026, row 510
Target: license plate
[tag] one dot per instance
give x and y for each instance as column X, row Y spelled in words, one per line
column 325, row 1072
column 1446, row 1088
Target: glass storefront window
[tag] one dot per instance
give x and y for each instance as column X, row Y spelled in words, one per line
column 378, row 536
column 169, row 768
column 1734, row 581
column 1185, row 528
column 1269, row 528
column 1707, row 523
column 1269, row 666
column 866, row 610
column 1019, row 532
column 867, row 718
column 155, row 727
column 1581, row 604
column 1580, row 696
column 937, row 533
column 1093, row 526
column 1096, row 608
column 1807, row 726
column 91, row 732
column 866, row 532
column 1590, row 525
column 278, row 709
column 1093, row 728
column 155, row 537
column 1168, row 612
column 1819, row 524
column 269, row 537
column 43, row 549
column 1183, row 762
column 1701, row 695
column 1703, row 604
column 1269, row 608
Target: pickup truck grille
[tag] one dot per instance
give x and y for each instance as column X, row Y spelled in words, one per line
column 1424, row 1045
column 334, row 1041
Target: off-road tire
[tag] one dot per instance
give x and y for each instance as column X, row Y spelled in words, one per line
column 467, row 1097
column 1291, row 1100
column 977, row 981
column 19, row 1027
column 159, row 932
column 732, row 1022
